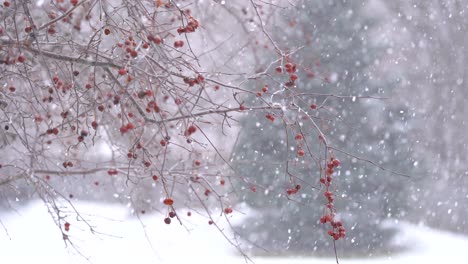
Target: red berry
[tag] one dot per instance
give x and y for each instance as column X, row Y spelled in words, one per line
column 222, row 182
column 172, row 214
column 313, row 106
column 157, row 40
column 323, row 220
column 67, row 226
column 123, row 129
column 197, row 163
column 130, row 126
column 293, row 77
column 6, row 4
column 336, row 162
column 74, row 2
column 265, row 89
column 178, row 44
column 21, row 58
column 122, row 71
column 298, row 137
column 167, row 220
column 180, row 30
column 189, row 213
column 155, row 177
column 190, row 130
column 107, row 31
column 51, row 30
column 168, row 201
column 300, row 152
column 227, row 210
column 279, row 69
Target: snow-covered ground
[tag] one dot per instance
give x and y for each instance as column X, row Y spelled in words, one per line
column 30, row 236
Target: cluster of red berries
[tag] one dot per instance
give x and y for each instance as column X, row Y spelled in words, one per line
column 131, row 153
column 264, row 90
column 168, row 202
column 155, row 40
column 142, row 94
column 337, row 230
column 294, row 190
column 54, row 131
column 192, row 81
column 59, row 84
column 300, row 151
column 67, row 164
column 130, row 45
column 290, row 68
column 191, row 26
column 329, row 172
column 270, row 117
column 152, row 106
column 125, row 128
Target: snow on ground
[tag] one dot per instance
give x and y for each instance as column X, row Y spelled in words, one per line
column 32, row 237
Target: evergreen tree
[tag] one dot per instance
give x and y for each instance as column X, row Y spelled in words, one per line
column 340, row 33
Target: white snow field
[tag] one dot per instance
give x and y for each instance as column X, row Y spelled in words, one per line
column 29, row 235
